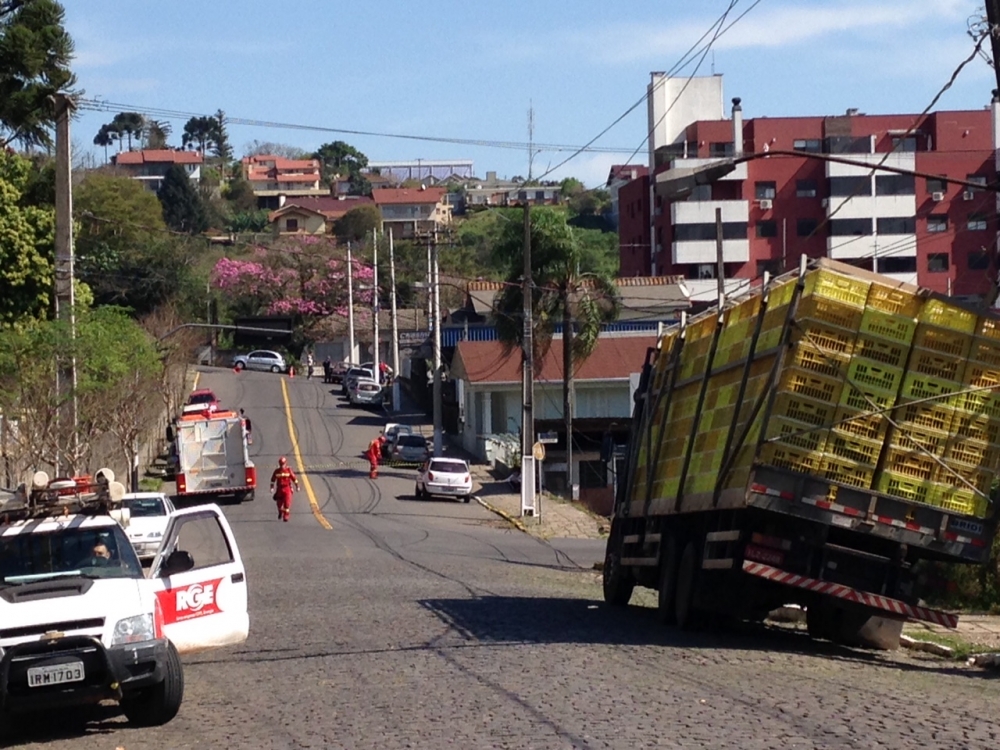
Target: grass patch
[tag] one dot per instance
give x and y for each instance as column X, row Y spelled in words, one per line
column 150, row 484
column 961, row 648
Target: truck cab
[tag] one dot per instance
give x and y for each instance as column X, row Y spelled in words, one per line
column 80, row 621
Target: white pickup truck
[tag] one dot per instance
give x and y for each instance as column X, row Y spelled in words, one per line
column 79, row 620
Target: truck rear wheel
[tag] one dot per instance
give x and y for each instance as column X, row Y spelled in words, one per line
column 668, row 582
column 618, row 582
column 684, row 595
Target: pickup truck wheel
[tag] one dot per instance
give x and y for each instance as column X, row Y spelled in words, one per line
column 687, row 582
column 668, row 582
column 617, row 581
column 159, row 704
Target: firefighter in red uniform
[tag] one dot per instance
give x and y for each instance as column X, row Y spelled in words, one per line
column 282, row 481
column 374, row 453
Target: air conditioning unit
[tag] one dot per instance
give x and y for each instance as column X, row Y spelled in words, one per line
column 937, row 197
column 967, row 195
column 766, row 204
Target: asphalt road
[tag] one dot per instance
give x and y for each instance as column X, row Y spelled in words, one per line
column 381, row 622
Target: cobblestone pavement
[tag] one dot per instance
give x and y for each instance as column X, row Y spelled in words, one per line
column 434, row 624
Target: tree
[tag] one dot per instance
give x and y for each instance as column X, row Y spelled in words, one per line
column 562, row 293
column 339, row 158
column 570, row 187
column 200, row 132
column 128, row 124
column 239, row 193
column 26, row 246
column 358, row 223
column 183, row 210
column 248, row 221
column 105, row 137
column 221, row 148
column 270, row 148
column 155, row 134
column 35, row 55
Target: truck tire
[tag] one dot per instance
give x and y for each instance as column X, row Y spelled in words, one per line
column 685, row 614
column 618, row 582
column 668, row 581
column 818, row 623
column 159, row 704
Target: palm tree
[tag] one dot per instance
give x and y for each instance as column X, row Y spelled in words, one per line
column 564, row 292
column 155, row 134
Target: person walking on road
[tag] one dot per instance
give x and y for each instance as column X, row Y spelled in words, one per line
column 374, row 453
column 309, row 366
column 247, row 426
column 282, row 481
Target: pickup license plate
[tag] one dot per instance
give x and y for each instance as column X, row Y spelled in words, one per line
column 56, row 674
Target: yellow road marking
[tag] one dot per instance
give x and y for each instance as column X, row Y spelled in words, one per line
column 298, row 459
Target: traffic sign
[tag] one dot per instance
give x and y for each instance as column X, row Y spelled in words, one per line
column 538, row 452
column 548, row 438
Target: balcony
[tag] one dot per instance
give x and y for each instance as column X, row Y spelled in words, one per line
column 703, row 212
column 867, row 206
column 739, row 173
column 871, row 246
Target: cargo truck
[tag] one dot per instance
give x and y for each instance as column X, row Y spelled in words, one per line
column 816, row 443
column 212, row 457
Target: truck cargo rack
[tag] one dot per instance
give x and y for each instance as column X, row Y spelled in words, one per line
column 85, row 495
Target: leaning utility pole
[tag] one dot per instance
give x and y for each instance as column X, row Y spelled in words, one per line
column 436, row 308
column 395, row 326
column 350, row 307
column 375, row 372
column 64, row 297
column 993, row 18
column 527, row 378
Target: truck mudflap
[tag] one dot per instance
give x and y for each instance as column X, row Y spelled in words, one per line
column 839, row 591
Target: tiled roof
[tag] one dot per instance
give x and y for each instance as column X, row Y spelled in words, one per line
column 263, row 161
column 331, row 206
column 291, row 208
column 615, row 358
column 407, row 196
column 157, row 156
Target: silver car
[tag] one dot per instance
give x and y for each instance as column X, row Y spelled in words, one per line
column 410, row 449
column 261, row 359
column 366, row 392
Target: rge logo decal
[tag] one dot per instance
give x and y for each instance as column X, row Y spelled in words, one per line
column 189, row 602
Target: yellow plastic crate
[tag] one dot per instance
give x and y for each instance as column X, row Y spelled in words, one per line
column 988, row 327
column 812, row 385
column 830, row 312
column 867, row 374
column 928, row 415
column 943, row 340
column 893, row 301
column 985, row 351
column 745, row 310
column 909, row 463
column 857, row 422
column 796, row 434
column 832, row 285
column 845, row 472
column 907, row 437
column 973, row 454
column 936, row 365
column 939, row 313
column 831, row 364
column 823, row 338
column 907, row 488
column 979, row 403
column 978, row 478
column 700, row 328
column 801, row 409
column 917, row 387
column 979, row 376
column 866, row 399
column 781, row 294
column 890, row 327
column 880, row 350
column 959, row 500
column 976, row 427
column 735, row 331
column 775, row 454
column 710, row 440
column 854, row 450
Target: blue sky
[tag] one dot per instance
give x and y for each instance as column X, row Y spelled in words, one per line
column 469, row 69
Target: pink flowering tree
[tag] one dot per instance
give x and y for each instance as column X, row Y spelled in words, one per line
column 303, row 277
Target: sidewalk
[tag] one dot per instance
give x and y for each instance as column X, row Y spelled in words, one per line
column 558, row 519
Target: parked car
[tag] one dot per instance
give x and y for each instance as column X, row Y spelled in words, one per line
column 366, row 392
column 149, row 513
column 261, row 359
column 338, row 370
column 392, row 431
column 446, row 477
column 204, row 398
column 354, row 374
column 410, row 449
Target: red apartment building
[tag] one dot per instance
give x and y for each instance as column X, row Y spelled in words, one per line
column 775, row 208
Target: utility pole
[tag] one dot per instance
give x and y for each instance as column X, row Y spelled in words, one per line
column 993, row 18
column 64, row 295
column 720, row 269
column 350, row 306
column 436, row 307
column 375, row 352
column 395, row 327
column 527, row 376
column 430, row 284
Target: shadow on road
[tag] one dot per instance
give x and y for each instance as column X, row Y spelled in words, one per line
column 72, row 724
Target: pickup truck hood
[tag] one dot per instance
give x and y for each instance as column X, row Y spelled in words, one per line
column 74, row 606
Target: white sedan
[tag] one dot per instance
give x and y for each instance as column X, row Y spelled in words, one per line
column 148, row 516
column 446, row 477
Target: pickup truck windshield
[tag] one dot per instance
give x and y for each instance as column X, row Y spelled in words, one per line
column 101, row 552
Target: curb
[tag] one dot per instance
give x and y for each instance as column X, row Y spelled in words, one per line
column 516, row 523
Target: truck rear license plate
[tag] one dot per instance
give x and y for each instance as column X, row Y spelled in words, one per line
column 56, row 674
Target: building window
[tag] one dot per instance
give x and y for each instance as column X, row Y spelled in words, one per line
column 979, row 260
column 977, row 179
column 936, row 185
column 805, row 227
column 698, row 232
column 893, row 264
column 701, row 193
column 850, row 186
column 291, row 225
column 937, row 262
column 812, row 145
column 908, row 143
column 848, row 144
column 896, row 225
column 767, row 228
column 850, row 227
column 539, row 195
column 895, row 184
column 765, row 190
column 772, row 267
column 721, row 149
column 976, row 223
column 937, row 223
column 805, row 188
